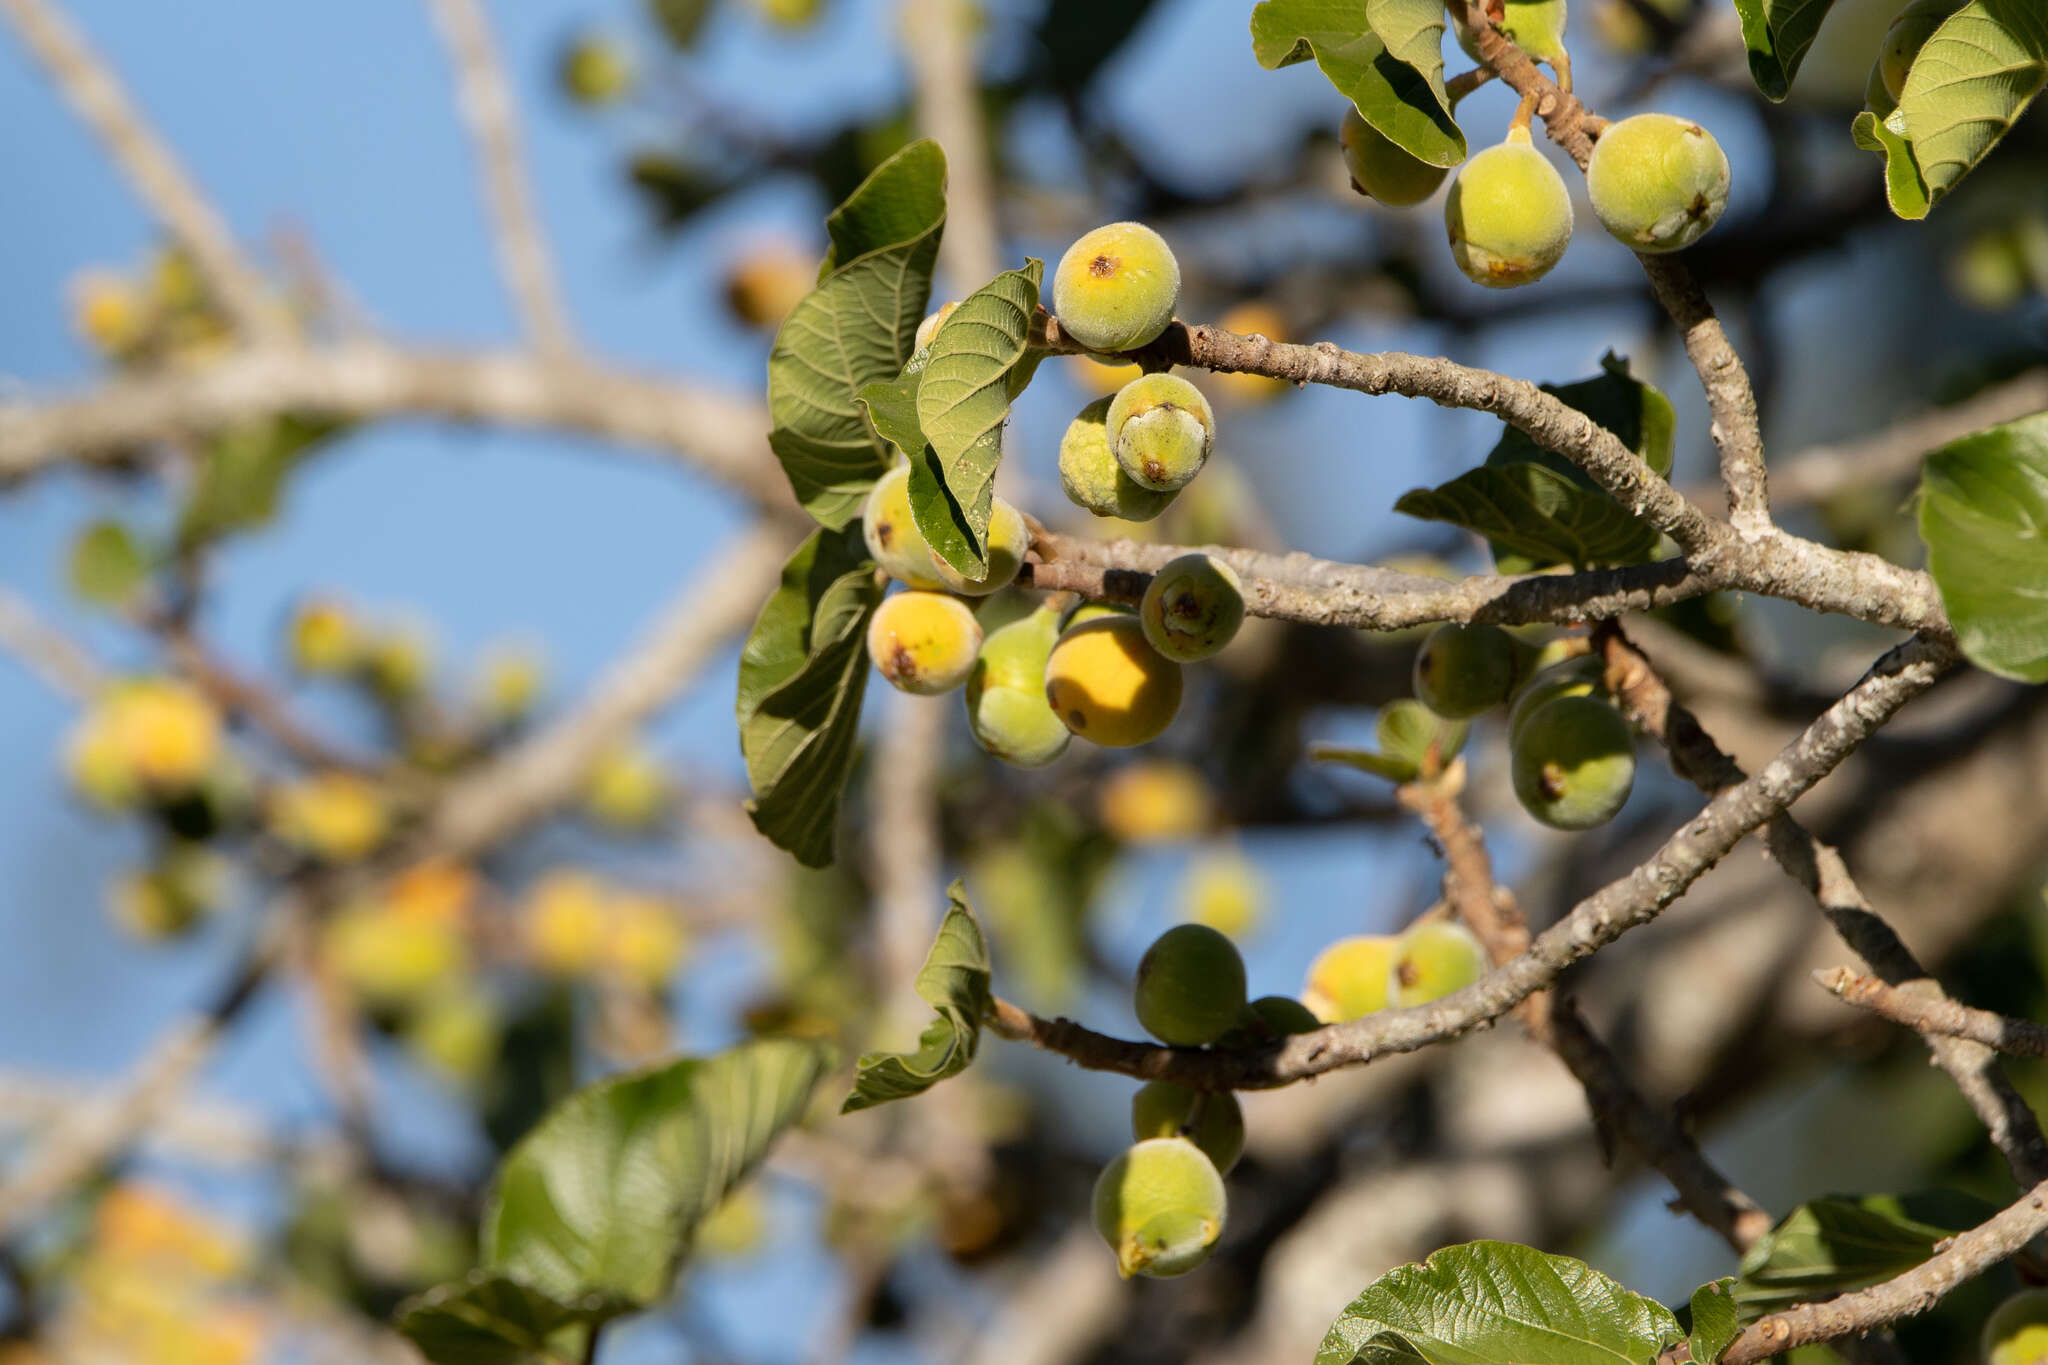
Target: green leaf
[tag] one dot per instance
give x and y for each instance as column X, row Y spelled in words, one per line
column 603, row 1195
column 1904, row 190
column 1715, row 1322
column 1389, row 766
column 803, row 673
column 242, row 473
column 856, row 327
column 1984, row 516
column 1536, row 513
column 1385, row 56
column 1968, row 84
column 1538, row 508
column 490, row 1318
column 106, row 565
column 1496, row 1302
column 1777, row 34
column 1410, row 731
column 1843, row 1242
column 964, row 398
column 953, row 981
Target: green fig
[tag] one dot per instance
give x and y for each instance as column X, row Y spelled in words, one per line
column 1573, row 762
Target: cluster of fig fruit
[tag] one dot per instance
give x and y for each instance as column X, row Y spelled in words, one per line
column 1161, row 1203
column 1108, row 675
column 1657, row 182
column 1571, row 753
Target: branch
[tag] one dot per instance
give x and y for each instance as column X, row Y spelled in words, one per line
column 91, row 1136
column 518, row 786
column 1635, row 899
column 241, row 695
column 49, row 653
column 1965, row 1256
column 1731, row 401
column 485, row 99
column 1931, row 1013
column 97, row 96
column 1547, row 420
column 1298, row 587
column 1767, row 561
column 1821, row 870
column 1621, row 1112
column 939, row 44
column 724, row 435
column 1896, row 453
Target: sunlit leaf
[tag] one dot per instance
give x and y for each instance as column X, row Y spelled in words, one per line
column 962, row 402
column 1487, row 1302
column 803, row 673
column 107, row 565
column 490, row 1318
column 1385, row 56
column 1969, row 82
column 1715, row 1321
column 1984, row 516
column 602, row 1197
column 1777, row 34
column 855, row 328
column 954, row 981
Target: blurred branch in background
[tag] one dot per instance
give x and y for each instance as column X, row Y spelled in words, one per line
column 150, row 165
column 484, row 96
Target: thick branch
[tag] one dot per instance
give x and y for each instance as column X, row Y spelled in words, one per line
column 1298, row 587
column 1546, row 419
column 725, row 435
column 99, row 99
column 1931, row 1013
column 1768, row 561
column 1821, row 870
column 939, row 46
column 1633, row 900
column 485, row 98
column 1967, row 1255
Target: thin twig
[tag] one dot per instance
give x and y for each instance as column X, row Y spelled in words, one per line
column 244, row 696
column 1931, row 1013
column 1622, row 1113
column 1633, row 900
column 484, row 97
column 96, row 93
column 1820, row 869
column 53, row 656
